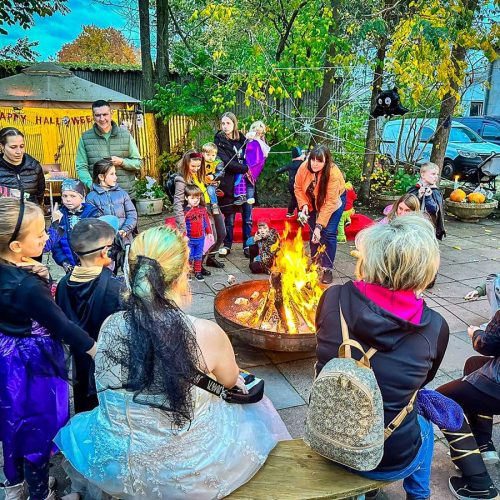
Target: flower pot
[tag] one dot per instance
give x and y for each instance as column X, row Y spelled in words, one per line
column 146, row 206
column 470, row 212
column 382, row 200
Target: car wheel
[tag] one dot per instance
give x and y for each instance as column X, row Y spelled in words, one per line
column 448, row 169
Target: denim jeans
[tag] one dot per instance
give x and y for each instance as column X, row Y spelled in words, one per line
column 212, row 194
column 246, row 217
column 417, row 475
column 328, row 235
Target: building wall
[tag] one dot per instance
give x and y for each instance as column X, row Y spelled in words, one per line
column 492, row 104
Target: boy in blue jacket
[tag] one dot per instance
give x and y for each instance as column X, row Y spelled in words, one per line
column 73, row 210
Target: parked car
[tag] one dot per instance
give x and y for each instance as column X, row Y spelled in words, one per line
column 488, row 127
column 464, row 153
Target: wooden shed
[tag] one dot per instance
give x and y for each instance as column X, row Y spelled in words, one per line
column 52, row 107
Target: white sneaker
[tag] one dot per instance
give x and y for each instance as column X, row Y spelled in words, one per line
column 223, row 251
column 251, row 201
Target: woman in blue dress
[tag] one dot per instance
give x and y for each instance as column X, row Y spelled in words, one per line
column 154, row 434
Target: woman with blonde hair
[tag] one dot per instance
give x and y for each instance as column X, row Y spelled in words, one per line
column 155, row 434
column 383, row 309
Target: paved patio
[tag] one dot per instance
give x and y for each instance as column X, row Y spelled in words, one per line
column 469, row 253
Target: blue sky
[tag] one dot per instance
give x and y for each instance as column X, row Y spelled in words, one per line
column 53, row 32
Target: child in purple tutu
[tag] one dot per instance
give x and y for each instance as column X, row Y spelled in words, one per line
column 256, row 153
column 34, row 390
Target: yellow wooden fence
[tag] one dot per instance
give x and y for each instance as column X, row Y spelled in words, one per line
column 52, row 135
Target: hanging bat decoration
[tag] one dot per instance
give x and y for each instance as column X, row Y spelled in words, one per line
column 388, row 104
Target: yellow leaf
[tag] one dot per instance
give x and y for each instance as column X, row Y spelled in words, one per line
column 457, row 248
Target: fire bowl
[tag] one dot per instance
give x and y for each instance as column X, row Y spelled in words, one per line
column 225, row 314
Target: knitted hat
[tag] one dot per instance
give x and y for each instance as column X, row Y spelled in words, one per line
column 73, row 185
column 296, row 152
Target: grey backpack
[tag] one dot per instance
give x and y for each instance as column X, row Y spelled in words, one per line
column 345, row 420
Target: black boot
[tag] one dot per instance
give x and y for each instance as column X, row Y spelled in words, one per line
column 213, row 262
column 205, row 272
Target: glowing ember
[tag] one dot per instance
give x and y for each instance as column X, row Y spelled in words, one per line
column 290, row 304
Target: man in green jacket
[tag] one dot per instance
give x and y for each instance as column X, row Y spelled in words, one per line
column 107, row 140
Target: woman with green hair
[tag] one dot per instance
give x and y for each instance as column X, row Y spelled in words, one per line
column 155, row 434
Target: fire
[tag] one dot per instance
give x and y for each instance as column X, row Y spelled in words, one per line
column 294, row 293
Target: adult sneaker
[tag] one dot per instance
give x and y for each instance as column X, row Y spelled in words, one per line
column 289, row 216
column 462, row 490
column 224, row 251
column 489, row 453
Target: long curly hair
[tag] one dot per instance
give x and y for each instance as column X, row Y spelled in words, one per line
column 162, row 356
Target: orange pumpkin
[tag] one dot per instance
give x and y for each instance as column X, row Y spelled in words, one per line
column 458, row 195
column 476, row 198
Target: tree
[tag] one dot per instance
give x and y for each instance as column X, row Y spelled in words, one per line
column 99, row 46
column 22, row 12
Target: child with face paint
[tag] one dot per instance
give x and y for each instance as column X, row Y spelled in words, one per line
column 73, row 210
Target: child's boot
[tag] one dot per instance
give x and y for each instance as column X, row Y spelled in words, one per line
column 16, row 492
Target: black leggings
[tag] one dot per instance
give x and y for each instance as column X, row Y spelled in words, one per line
column 477, row 405
column 37, row 477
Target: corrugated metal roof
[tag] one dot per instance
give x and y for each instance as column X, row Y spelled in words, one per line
column 51, row 82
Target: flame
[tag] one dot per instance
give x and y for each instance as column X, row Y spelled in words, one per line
column 294, row 293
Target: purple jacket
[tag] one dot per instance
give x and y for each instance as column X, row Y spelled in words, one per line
column 255, row 158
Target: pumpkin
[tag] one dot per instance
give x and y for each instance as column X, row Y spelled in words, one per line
column 476, row 198
column 458, row 195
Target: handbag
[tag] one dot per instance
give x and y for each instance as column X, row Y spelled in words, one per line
column 254, row 385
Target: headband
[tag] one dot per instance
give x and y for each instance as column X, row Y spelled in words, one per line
column 20, row 217
column 196, row 155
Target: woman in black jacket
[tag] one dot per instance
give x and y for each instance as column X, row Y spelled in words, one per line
column 478, row 393
column 383, row 309
column 19, row 170
column 231, row 145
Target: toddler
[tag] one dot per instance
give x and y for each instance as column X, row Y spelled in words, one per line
column 214, row 170
column 256, row 154
column 197, row 227
column 111, row 199
column 73, row 210
column 431, row 199
column 262, row 248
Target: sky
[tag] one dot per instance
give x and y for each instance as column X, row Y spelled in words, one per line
column 53, row 32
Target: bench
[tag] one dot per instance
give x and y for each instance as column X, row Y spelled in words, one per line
column 294, row 472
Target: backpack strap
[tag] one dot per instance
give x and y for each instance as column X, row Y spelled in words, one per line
column 345, row 352
column 398, row 419
column 347, row 343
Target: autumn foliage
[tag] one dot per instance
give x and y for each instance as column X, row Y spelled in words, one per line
column 99, row 46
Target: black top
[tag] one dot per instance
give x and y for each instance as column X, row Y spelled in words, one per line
column 291, row 168
column 89, row 304
column 25, row 297
column 487, row 343
column 28, row 175
column 231, row 152
column 408, row 358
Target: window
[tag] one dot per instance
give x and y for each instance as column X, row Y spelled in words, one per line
column 462, row 134
column 476, row 108
column 426, row 134
column 491, row 131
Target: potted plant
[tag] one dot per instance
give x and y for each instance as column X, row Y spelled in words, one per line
column 149, row 196
column 386, row 186
column 469, row 207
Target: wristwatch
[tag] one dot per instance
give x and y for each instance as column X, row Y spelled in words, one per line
column 319, row 226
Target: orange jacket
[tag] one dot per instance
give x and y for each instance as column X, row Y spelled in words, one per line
column 336, row 186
